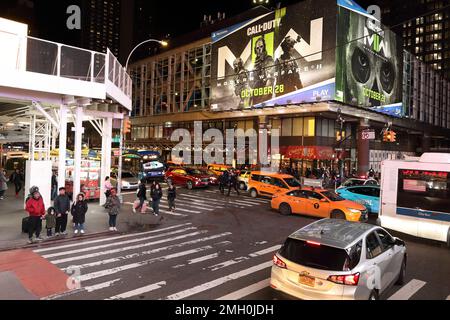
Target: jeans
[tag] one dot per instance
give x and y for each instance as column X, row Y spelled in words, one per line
column 2, row 193
column 34, row 227
column 141, row 203
column 233, row 186
column 61, row 224
column 18, row 188
column 112, row 221
column 171, row 204
column 155, row 206
column 54, row 192
column 79, row 226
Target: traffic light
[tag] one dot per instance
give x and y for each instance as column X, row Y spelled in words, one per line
column 126, row 126
column 390, row 136
column 340, row 135
column 393, row 136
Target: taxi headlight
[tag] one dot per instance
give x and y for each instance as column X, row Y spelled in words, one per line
column 354, row 211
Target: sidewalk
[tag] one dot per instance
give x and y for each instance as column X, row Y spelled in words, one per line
column 12, row 212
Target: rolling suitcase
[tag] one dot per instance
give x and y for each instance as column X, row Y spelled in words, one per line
column 25, row 224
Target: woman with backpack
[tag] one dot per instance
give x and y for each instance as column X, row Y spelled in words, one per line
column 142, row 196
column 79, row 210
column 156, row 195
column 113, row 206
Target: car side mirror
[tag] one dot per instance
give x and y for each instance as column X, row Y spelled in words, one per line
column 324, row 200
column 399, row 242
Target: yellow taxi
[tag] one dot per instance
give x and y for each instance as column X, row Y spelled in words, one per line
column 318, row 203
column 218, row 169
column 265, row 184
column 243, row 178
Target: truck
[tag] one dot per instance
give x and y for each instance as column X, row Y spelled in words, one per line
column 415, row 196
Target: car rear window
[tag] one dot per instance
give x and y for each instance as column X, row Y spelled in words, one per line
column 317, row 257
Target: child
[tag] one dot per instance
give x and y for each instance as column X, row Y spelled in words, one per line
column 171, row 196
column 50, row 219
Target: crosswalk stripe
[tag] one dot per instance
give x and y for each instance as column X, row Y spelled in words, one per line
column 408, row 290
column 139, row 291
column 182, row 210
column 244, row 292
column 204, row 258
column 108, row 272
column 170, row 213
column 115, row 244
column 218, row 282
column 266, row 251
column 123, row 249
column 188, row 204
column 101, row 286
column 110, row 239
column 230, row 202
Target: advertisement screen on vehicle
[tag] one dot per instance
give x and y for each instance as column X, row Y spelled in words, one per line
column 369, row 64
column 283, row 57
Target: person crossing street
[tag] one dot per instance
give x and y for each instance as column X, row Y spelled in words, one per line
column 233, row 183
column 171, row 196
column 156, row 195
column 223, row 181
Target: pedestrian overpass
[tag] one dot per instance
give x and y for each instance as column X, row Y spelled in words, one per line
column 44, row 86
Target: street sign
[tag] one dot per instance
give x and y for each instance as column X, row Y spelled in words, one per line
column 368, row 135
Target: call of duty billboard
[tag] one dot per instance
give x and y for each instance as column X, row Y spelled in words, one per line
column 368, row 63
column 283, row 57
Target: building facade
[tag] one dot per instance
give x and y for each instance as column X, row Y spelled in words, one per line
column 181, row 86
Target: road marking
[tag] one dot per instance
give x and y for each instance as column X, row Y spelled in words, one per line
column 114, row 244
column 218, row 282
column 97, row 254
column 110, row 239
column 266, row 251
column 245, row 292
column 408, row 290
column 205, row 258
column 223, row 202
column 182, row 210
column 173, row 213
column 168, row 212
column 101, row 286
column 107, row 272
column 200, row 206
column 139, row 291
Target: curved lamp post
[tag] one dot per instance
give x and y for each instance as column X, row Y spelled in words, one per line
column 161, row 42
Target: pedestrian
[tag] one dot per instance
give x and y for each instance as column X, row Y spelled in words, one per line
column 233, row 183
column 17, row 179
column 171, row 196
column 113, row 206
column 79, row 210
column 50, row 219
column 156, row 195
column 141, row 195
column 3, row 184
column 108, row 187
column 54, row 186
column 36, row 211
column 62, row 208
column 223, row 181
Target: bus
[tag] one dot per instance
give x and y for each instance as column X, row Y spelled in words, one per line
column 145, row 164
column 415, row 196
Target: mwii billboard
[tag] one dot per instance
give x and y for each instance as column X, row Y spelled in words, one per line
column 283, row 57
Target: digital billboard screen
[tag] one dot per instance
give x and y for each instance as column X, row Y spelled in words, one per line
column 369, row 64
column 282, row 57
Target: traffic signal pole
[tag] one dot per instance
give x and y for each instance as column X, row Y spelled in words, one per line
column 119, row 173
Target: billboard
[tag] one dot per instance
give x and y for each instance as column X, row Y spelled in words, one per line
column 369, row 63
column 282, row 57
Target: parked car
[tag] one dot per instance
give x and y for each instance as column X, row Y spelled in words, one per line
column 354, row 182
column 213, row 178
column 339, row 260
column 318, row 203
column 369, row 196
column 263, row 184
column 129, row 180
column 190, row 178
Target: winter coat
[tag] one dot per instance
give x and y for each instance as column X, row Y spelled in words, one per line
column 3, row 182
column 113, row 205
column 79, row 210
column 142, row 193
column 50, row 220
column 172, row 194
column 16, row 178
column 62, row 204
column 35, row 208
column 156, row 194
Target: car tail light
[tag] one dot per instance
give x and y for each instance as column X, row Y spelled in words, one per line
column 312, row 243
column 349, row 280
column 278, row 262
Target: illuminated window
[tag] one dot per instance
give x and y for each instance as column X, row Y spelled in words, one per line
column 297, row 127
column 309, row 128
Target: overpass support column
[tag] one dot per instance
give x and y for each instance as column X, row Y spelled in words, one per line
column 106, row 155
column 79, row 130
column 62, row 146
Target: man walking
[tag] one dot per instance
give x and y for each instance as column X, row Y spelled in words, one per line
column 224, row 181
column 233, row 183
column 62, row 208
column 36, row 210
column 17, row 179
column 141, row 195
column 156, row 195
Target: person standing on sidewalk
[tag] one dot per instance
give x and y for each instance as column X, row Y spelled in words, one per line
column 108, row 187
column 62, row 208
column 156, row 199
column 50, row 219
column 171, row 196
column 17, row 179
column 36, row 211
column 141, row 195
column 54, row 186
column 79, row 210
column 3, row 184
column 113, row 206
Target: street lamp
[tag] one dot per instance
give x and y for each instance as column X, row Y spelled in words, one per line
column 161, row 42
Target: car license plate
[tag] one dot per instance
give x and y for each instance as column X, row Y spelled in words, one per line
column 307, row 281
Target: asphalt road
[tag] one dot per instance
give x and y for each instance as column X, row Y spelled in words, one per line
column 214, row 247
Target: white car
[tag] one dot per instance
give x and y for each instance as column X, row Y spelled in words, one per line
column 129, row 181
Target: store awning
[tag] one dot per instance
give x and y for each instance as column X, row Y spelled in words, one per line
column 308, row 152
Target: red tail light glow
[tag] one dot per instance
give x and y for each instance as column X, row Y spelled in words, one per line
column 350, row 280
column 278, row 262
column 312, row 243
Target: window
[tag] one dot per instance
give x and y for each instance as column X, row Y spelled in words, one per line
column 386, row 240
column 278, row 183
column 373, row 246
column 354, row 257
column 286, row 127
column 297, row 127
column 309, row 128
column 312, row 195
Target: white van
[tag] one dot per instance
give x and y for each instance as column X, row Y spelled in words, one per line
column 415, row 196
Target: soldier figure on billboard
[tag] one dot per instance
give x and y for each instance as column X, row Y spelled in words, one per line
column 263, row 71
column 288, row 70
column 241, row 78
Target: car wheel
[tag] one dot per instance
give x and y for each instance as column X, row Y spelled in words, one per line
column 242, row 186
column 254, row 193
column 285, row 209
column 374, row 295
column 337, row 214
column 189, row 185
column 402, row 275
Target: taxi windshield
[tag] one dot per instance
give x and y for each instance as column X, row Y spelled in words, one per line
column 293, row 183
column 332, row 196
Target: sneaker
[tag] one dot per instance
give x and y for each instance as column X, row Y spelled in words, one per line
column 82, row 232
column 64, row 233
column 39, row 239
column 30, row 241
column 111, row 229
column 57, row 234
column 76, row 232
column 115, row 229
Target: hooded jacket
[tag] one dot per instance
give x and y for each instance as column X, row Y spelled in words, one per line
column 35, row 207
